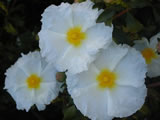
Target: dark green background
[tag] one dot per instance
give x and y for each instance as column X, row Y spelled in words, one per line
column 20, row 23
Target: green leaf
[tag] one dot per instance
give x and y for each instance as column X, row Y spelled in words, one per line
column 69, row 113
column 105, row 16
column 121, row 37
column 132, row 24
column 144, row 110
column 99, row 5
column 139, row 3
column 96, row 1
column 10, row 29
column 3, row 7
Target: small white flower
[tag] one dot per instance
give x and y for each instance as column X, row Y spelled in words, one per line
column 70, row 36
column 32, row 81
column 113, row 86
column 150, row 52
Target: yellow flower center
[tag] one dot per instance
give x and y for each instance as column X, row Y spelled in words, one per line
column 106, row 79
column 148, row 54
column 75, row 36
column 33, row 81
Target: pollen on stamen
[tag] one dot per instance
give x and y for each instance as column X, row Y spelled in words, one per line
column 148, row 54
column 33, row 81
column 106, row 79
column 75, row 36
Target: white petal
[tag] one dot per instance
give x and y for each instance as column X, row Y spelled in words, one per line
column 131, row 69
column 15, row 78
column 83, row 79
column 74, row 60
column 40, row 106
column 52, row 45
column 110, row 57
column 49, row 74
column 123, row 101
column 23, row 97
column 16, row 84
column 46, row 93
column 98, row 36
column 57, row 18
column 84, row 15
column 48, row 89
column 154, row 41
column 88, row 98
column 30, row 63
column 90, row 101
column 154, row 68
column 141, row 44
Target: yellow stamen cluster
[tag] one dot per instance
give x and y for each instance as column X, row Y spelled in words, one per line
column 75, row 36
column 148, row 54
column 106, row 79
column 33, row 81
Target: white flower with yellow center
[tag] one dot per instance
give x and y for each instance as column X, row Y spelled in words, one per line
column 113, row 86
column 32, row 81
column 70, row 36
column 150, row 51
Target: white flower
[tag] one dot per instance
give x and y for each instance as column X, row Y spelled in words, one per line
column 113, row 86
column 70, row 36
column 150, row 52
column 32, row 81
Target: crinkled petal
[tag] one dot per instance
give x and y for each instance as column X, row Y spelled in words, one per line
column 40, row 106
column 83, row 79
column 90, row 101
column 49, row 73
column 131, row 69
column 57, row 18
column 15, row 78
column 154, row 41
column 110, row 57
column 74, row 61
column 141, row 44
column 16, row 84
column 46, row 93
column 53, row 45
column 53, row 42
column 84, row 15
column 30, row 63
column 154, row 68
column 123, row 101
column 98, row 36
column 23, row 97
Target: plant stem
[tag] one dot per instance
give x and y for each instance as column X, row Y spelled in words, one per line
column 154, row 85
column 121, row 13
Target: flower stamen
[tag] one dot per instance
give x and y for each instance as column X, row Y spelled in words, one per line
column 148, row 54
column 75, row 36
column 106, row 79
column 33, row 81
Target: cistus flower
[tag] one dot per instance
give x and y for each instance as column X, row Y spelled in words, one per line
column 150, row 51
column 32, row 81
column 70, row 36
column 113, row 86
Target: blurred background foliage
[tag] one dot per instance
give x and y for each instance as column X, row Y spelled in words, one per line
column 20, row 23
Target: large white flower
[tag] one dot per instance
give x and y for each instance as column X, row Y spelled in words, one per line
column 113, row 86
column 32, row 81
column 150, row 52
column 70, row 36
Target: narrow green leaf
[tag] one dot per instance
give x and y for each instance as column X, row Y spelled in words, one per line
column 3, row 7
column 10, row 29
column 106, row 15
column 69, row 113
column 132, row 24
